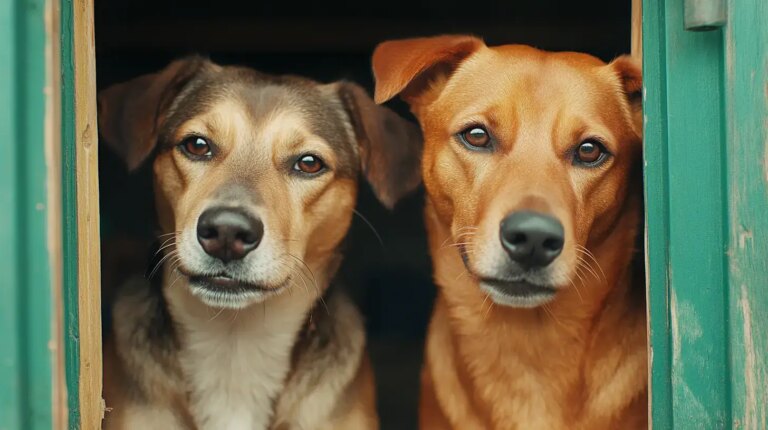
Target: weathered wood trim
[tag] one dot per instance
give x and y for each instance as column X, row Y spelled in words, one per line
column 91, row 406
column 746, row 123
column 637, row 29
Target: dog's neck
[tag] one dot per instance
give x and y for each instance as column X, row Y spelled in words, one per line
column 243, row 355
column 563, row 341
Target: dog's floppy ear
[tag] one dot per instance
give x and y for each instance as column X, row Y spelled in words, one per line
column 630, row 74
column 390, row 146
column 131, row 112
column 406, row 66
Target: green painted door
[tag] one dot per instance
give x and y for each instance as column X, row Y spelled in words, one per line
column 706, row 169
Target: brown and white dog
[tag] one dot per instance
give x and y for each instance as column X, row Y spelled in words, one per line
column 255, row 186
column 532, row 168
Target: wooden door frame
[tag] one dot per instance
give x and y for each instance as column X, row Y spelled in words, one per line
column 82, row 269
column 706, row 185
column 79, row 138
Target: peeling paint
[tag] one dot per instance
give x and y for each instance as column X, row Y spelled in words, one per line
column 750, row 370
column 675, row 327
column 744, row 236
column 765, row 143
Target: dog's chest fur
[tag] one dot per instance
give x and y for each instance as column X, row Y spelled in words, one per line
column 193, row 367
column 235, row 363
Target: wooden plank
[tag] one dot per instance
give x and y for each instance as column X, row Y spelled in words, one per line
column 746, row 95
column 637, row 29
column 697, row 297
column 685, row 194
column 89, row 253
column 81, row 216
column 656, row 166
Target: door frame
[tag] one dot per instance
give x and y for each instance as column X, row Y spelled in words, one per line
column 52, row 377
column 82, row 269
column 706, row 193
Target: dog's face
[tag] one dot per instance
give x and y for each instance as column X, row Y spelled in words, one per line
column 256, row 176
column 528, row 155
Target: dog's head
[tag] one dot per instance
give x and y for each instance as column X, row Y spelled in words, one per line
column 528, row 156
column 255, row 176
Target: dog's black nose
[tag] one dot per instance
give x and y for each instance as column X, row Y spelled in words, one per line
column 532, row 239
column 228, row 233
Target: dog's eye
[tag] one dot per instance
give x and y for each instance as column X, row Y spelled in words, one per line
column 590, row 153
column 309, row 163
column 196, row 146
column 475, row 136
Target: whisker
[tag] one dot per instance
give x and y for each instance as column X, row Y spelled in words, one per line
column 174, row 282
column 168, row 234
column 160, row 263
column 217, row 314
column 552, row 314
column 305, row 265
column 295, row 271
column 314, row 281
column 468, row 236
column 575, row 287
column 175, row 264
column 165, row 246
column 376, row 233
column 490, row 306
column 587, row 266
column 461, row 244
column 592, row 256
column 168, row 240
column 580, row 274
column 463, row 273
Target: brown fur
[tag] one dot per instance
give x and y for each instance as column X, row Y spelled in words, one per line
column 259, row 125
column 578, row 361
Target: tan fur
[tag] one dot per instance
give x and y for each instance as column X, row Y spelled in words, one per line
column 183, row 357
column 578, row 361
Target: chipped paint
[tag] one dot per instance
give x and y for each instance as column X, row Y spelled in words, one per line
column 750, row 371
column 765, row 144
column 744, row 236
column 675, row 327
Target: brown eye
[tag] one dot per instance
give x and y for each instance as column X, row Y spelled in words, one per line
column 475, row 136
column 308, row 163
column 590, row 153
column 196, row 146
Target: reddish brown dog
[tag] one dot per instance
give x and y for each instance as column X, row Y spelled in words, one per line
column 531, row 164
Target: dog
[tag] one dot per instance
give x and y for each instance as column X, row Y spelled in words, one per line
column 532, row 171
column 255, row 180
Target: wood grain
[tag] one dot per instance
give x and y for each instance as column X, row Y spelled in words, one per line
column 89, row 270
column 637, row 29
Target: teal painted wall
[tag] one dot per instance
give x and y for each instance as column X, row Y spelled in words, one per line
column 26, row 361
column 706, row 160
